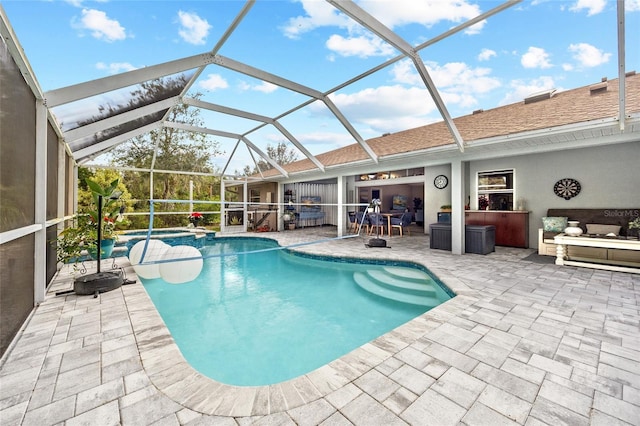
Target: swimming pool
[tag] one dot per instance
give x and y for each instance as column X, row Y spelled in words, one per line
column 171, row 236
column 266, row 317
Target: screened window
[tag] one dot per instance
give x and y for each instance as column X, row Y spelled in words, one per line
column 496, row 189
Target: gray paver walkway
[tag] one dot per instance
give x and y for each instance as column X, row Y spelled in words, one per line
column 522, row 343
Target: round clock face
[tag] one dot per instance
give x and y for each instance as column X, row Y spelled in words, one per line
column 441, row 181
column 567, row 188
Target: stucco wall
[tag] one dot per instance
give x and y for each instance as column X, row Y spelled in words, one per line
column 609, row 177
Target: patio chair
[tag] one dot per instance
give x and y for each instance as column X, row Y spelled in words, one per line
column 376, row 221
column 361, row 221
column 401, row 223
column 353, row 225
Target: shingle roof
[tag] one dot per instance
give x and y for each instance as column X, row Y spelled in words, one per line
column 579, row 105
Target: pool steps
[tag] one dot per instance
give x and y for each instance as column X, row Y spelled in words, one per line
column 400, row 284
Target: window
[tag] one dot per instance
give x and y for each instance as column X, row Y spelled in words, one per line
column 254, row 196
column 497, row 188
column 393, row 174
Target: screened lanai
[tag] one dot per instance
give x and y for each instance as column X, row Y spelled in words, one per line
column 50, row 130
column 400, row 100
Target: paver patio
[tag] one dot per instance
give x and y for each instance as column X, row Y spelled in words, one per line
column 522, row 343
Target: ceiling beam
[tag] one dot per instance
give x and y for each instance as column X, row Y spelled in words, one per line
column 111, row 143
column 16, row 51
column 78, row 133
column 90, row 88
column 245, row 69
column 299, row 88
column 233, row 151
column 363, row 18
column 232, row 27
column 347, row 125
column 195, row 129
column 265, row 156
column 256, row 117
column 622, row 77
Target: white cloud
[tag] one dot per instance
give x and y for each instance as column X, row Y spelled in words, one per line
column 476, row 28
column 100, row 26
column 362, row 46
column 535, row 57
column 318, row 14
column 263, row 87
column 391, row 13
column 115, row 67
column 426, row 12
column 593, row 7
column 385, row 108
column 486, row 54
column 397, row 107
column 194, row 30
column 214, row 82
column 453, row 77
column 632, row 5
column 567, row 67
column 588, row 55
column 521, row 89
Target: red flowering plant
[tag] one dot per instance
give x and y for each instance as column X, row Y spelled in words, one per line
column 195, row 218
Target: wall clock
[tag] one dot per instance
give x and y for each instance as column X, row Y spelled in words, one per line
column 441, row 182
column 567, row 188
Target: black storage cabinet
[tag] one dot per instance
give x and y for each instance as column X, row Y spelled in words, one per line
column 440, row 236
column 480, row 239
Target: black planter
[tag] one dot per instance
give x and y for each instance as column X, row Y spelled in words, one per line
column 99, row 282
column 377, row 242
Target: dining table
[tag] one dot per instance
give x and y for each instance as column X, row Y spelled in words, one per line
column 389, row 216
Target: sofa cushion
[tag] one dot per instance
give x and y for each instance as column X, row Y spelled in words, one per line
column 554, row 223
column 602, row 216
column 601, row 229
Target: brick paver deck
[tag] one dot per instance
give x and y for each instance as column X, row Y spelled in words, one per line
column 522, row 343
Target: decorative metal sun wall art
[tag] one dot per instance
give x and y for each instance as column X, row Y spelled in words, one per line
column 567, row 188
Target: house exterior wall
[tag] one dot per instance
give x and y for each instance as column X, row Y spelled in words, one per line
column 609, row 177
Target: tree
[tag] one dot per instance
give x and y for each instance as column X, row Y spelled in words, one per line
column 172, row 150
column 281, row 154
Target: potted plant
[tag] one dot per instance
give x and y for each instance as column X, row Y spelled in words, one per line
column 417, row 204
column 445, row 208
column 483, row 202
column 195, row 218
column 107, row 223
column 72, row 241
column 635, row 224
column 83, row 235
column 289, row 219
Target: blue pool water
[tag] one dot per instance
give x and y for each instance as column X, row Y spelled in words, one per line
column 262, row 318
column 155, row 232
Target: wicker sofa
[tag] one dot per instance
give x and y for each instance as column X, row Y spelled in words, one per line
column 603, row 221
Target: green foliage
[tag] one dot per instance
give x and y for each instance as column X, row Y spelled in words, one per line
column 170, row 149
column 83, row 234
column 163, row 149
column 281, row 154
column 102, row 180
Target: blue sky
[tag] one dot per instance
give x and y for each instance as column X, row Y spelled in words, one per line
column 529, row 47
